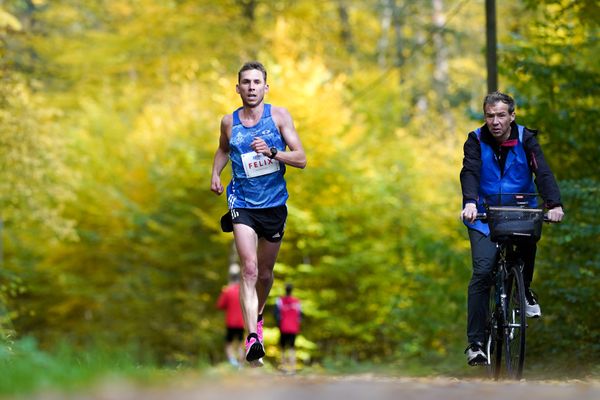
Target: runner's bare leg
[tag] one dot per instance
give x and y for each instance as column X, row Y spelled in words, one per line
column 267, row 255
column 246, row 242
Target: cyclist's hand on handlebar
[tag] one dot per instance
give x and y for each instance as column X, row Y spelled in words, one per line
column 555, row 214
column 469, row 213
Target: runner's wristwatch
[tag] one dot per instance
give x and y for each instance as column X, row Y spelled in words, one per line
column 273, row 152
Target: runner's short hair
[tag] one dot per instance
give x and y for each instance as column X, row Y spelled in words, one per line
column 250, row 65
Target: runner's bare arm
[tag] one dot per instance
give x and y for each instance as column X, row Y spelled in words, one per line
column 221, row 155
column 295, row 155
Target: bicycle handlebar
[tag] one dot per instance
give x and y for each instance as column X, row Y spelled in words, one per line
column 483, row 217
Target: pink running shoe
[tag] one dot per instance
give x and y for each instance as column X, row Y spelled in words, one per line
column 254, row 348
column 259, row 330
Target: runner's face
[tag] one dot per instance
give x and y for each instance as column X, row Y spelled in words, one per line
column 498, row 120
column 252, row 87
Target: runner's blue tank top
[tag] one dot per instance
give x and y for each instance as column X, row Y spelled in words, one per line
column 257, row 181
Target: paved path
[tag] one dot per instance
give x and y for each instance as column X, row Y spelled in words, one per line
column 267, row 386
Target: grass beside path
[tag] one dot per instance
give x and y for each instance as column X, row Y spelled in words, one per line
column 26, row 369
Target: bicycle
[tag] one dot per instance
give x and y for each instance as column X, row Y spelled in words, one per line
column 506, row 326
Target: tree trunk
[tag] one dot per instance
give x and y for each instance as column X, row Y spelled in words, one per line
column 248, row 9
column 384, row 42
column 492, row 62
column 346, row 30
column 440, row 52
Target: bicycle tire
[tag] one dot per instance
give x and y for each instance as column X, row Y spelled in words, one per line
column 494, row 337
column 515, row 324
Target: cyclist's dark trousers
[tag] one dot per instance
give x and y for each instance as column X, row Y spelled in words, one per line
column 484, row 253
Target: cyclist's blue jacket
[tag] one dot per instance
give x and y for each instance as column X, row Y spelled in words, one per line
column 257, row 181
column 516, row 177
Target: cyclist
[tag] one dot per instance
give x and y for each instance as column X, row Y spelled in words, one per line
column 500, row 157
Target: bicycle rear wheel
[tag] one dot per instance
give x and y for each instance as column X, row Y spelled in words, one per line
column 494, row 337
column 516, row 324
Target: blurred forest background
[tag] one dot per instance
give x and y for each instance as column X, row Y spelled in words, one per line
column 109, row 119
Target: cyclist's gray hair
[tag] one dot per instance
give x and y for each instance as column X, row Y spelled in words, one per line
column 495, row 97
column 250, row 65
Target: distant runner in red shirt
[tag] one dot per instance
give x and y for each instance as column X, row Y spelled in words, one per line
column 229, row 301
column 288, row 315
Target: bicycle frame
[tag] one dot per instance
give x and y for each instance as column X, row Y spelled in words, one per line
column 504, row 253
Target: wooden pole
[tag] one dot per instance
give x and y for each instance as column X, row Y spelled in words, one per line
column 491, row 60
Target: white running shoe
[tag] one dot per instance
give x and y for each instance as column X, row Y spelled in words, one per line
column 532, row 308
column 475, row 354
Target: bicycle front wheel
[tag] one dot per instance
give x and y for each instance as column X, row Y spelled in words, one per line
column 516, row 324
column 494, row 335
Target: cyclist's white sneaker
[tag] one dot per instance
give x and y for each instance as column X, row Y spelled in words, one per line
column 475, row 354
column 532, row 308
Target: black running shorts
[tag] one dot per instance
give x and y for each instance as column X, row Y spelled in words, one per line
column 268, row 223
column 287, row 340
column 234, row 334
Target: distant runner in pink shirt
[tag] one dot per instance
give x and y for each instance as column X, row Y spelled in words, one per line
column 229, row 301
column 288, row 314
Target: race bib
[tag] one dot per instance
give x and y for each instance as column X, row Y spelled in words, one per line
column 257, row 164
